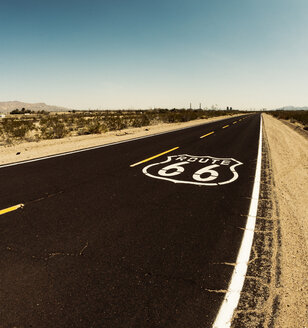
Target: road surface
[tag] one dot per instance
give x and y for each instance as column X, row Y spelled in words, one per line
column 136, row 234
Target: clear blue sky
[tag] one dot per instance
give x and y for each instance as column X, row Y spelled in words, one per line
column 162, row 53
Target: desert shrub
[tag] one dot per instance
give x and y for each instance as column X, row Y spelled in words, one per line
column 52, row 128
column 113, row 122
column 136, row 122
column 14, row 128
column 145, row 120
column 56, row 132
column 22, row 111
column 81, row 122
column 139, row 121
column 92, row 127
column 292, row 115
column 42, row 112
column 93, row 122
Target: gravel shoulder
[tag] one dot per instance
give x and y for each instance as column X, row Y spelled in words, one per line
column 289, row 160
column 275, row 292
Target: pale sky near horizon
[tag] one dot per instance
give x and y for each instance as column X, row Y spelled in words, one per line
column 248, row 54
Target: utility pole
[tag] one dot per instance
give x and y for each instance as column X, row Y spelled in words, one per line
column 200, row 106
column 189, row 105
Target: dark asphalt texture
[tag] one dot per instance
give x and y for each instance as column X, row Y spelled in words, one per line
column 100, row 244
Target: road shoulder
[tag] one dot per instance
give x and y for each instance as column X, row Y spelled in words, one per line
column 275, row 291
column 289, row 156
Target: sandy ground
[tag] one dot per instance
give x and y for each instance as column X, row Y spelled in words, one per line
column 289, row 161
column 297, row 127
column 275, row 293
column 30, row 150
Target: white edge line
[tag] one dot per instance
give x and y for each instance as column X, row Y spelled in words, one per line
column 230, row 302
column 106, row 145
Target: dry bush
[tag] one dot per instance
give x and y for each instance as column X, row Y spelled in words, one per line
column 52, row 127
column 16, row 128
column 300, row 116
column 55, row 126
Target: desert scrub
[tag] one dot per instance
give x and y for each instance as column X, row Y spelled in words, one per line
column 55, row 126
column 113, row 122
column 300, row 116
column 52, row 128
column 92, row 127
column 139, row 121
column 16, row 128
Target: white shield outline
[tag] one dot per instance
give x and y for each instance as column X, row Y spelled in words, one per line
column 232, row 169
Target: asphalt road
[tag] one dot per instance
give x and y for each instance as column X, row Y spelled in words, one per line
column 102, row 242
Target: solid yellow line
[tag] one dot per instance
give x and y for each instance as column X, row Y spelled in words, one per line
column 206, row 135
column 148, row 159
column 10, row 209
column 225, row 126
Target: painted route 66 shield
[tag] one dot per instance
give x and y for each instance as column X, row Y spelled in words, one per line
column 197, row 170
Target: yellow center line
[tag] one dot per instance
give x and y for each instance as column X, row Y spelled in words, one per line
column 10, row 209
column 148, row 159
column 225, row 126
column 206, row 135
column 234, row 122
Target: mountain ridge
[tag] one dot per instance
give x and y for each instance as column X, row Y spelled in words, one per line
column 292, row 108
column 8, row 106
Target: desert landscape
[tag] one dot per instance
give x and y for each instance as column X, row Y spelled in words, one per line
column 36, row 135
column 154, row 164
column 285, row 164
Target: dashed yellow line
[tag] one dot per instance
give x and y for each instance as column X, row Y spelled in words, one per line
column 148, row 159
column 225, row 126
column 207, row 135
column 234, row 122
column 10, row 209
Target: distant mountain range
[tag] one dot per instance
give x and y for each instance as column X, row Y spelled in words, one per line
column 8, row 106
column 292, row 108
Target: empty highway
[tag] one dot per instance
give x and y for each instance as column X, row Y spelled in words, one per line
column 141, row 233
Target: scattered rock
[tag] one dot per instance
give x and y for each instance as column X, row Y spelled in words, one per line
column 121, row 134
